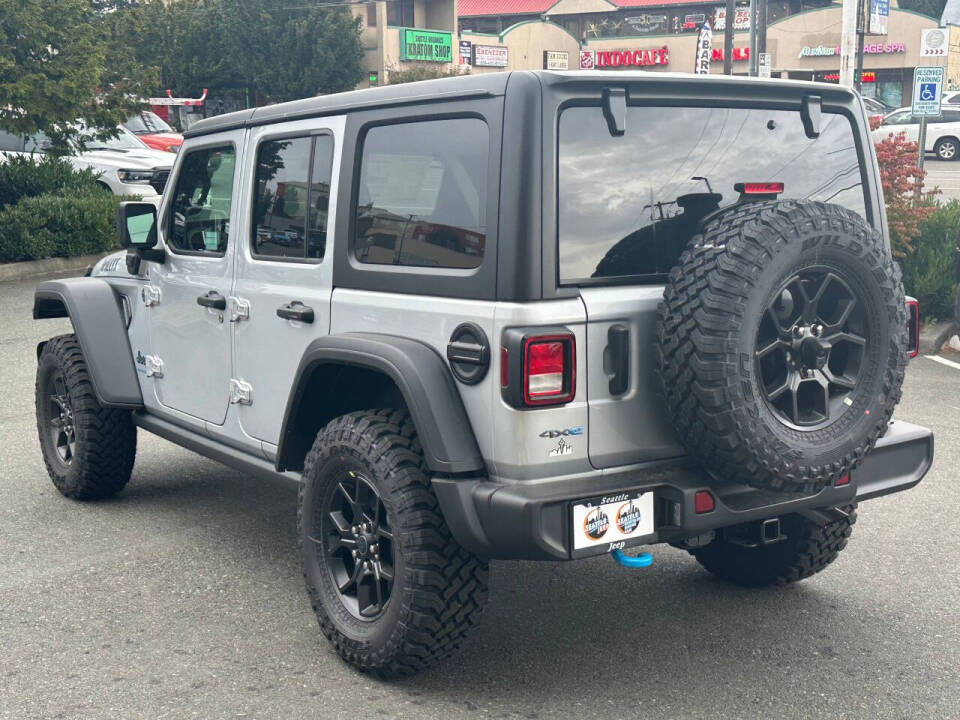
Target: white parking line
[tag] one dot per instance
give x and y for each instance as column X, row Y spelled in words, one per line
column 937, row 358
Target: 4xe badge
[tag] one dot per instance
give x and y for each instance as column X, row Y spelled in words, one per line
column 566, row 432
column 595, row 524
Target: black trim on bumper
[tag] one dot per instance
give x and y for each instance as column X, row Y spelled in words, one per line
column 531, row 520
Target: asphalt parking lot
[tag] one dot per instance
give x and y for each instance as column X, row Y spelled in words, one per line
column 944, row 175
column 183, row 597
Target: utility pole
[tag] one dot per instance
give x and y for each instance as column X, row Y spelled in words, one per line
column 861, row 29
column 848, row 42
column 752, row 72
column 728, row 39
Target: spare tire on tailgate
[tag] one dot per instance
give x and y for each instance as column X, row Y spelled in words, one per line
column 782, row 341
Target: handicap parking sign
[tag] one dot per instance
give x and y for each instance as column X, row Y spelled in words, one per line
column 927, row 88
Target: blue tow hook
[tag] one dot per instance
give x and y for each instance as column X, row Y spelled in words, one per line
column 640, row 561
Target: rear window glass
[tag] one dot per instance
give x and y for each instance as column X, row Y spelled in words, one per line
column 627, row 206
column 422, row 199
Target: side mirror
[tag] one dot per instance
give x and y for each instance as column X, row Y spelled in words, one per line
column 137, row 225
column 137, row 233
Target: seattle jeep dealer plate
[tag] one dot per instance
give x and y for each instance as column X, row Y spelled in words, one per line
column 615, row 518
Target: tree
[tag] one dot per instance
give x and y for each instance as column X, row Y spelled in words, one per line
column 265, row 49
column 902, row 184
column 930, row 8
column 55, row 70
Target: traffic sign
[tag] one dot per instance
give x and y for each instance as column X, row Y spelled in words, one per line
column 927, row 88
column 763, row 65
column 933, row 42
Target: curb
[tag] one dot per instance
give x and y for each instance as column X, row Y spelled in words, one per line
column 934, row 335
column 10, row 272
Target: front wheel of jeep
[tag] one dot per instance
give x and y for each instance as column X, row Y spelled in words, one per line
column 392, row 590
column 808, row 547
column 88, row 449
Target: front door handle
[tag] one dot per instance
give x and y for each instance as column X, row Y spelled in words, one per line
column 212, row 299
column 296, row 310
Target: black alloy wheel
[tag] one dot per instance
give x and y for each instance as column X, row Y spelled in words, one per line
column 63, row 434
column 88, row 449
column 810, row 347
column 357, row 546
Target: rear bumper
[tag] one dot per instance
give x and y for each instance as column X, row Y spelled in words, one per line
column 531, row 520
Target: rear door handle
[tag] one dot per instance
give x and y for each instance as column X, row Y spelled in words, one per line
column 296, row 310
column 212, row 299
column 617, row 360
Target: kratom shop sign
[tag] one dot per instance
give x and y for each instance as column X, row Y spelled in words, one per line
column 426, row 45
column 868, row 48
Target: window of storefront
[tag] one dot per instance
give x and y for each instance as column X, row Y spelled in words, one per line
column 400, row 13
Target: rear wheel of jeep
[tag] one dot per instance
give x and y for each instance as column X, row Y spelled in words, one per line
column 88, row 449
column 808, row 548
column 782, row 343
column 392, row 590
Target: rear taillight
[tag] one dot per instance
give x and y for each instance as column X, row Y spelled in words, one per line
column 548, row 369
column 913, row 327
column 538, row 366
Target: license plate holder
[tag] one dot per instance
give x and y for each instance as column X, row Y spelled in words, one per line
column 613, row 521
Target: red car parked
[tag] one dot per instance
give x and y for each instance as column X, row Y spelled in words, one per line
column 154, row 131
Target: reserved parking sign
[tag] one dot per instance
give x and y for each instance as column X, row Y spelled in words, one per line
column 927, row 89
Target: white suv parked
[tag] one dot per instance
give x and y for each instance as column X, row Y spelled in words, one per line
column 126, row 166
column 943, row 133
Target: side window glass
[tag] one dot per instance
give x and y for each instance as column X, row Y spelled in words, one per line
column 292, row 197
column 11, row 143
column 200, row 215
column 422, row 196
column 37, row 143
column 280, row 209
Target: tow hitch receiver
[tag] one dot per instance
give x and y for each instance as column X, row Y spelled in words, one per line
column 764, row 532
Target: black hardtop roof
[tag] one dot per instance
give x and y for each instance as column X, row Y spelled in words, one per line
column 493, row 84
column 425, row 91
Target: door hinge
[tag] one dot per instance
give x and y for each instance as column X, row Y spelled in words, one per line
column 154, row 366
column 239, row 309
column 150, row 295
column 240, row 392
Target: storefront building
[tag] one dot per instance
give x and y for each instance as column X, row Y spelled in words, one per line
column 403, row 35
column 660, row 35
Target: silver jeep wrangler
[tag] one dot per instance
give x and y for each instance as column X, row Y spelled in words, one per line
column 521, row 315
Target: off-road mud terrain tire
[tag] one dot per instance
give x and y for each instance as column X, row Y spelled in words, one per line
column 439, row 589
column 808, row 549
column 707, row 342
column 105, row 444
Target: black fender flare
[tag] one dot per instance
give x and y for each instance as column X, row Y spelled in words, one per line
column 101, row 329
column 424, row 381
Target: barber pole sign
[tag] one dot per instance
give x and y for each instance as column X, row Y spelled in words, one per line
column 704, row 41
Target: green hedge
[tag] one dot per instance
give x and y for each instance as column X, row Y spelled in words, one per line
column 47, row 209
column 24, row 176
column 929, row 274
column 58, row 226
